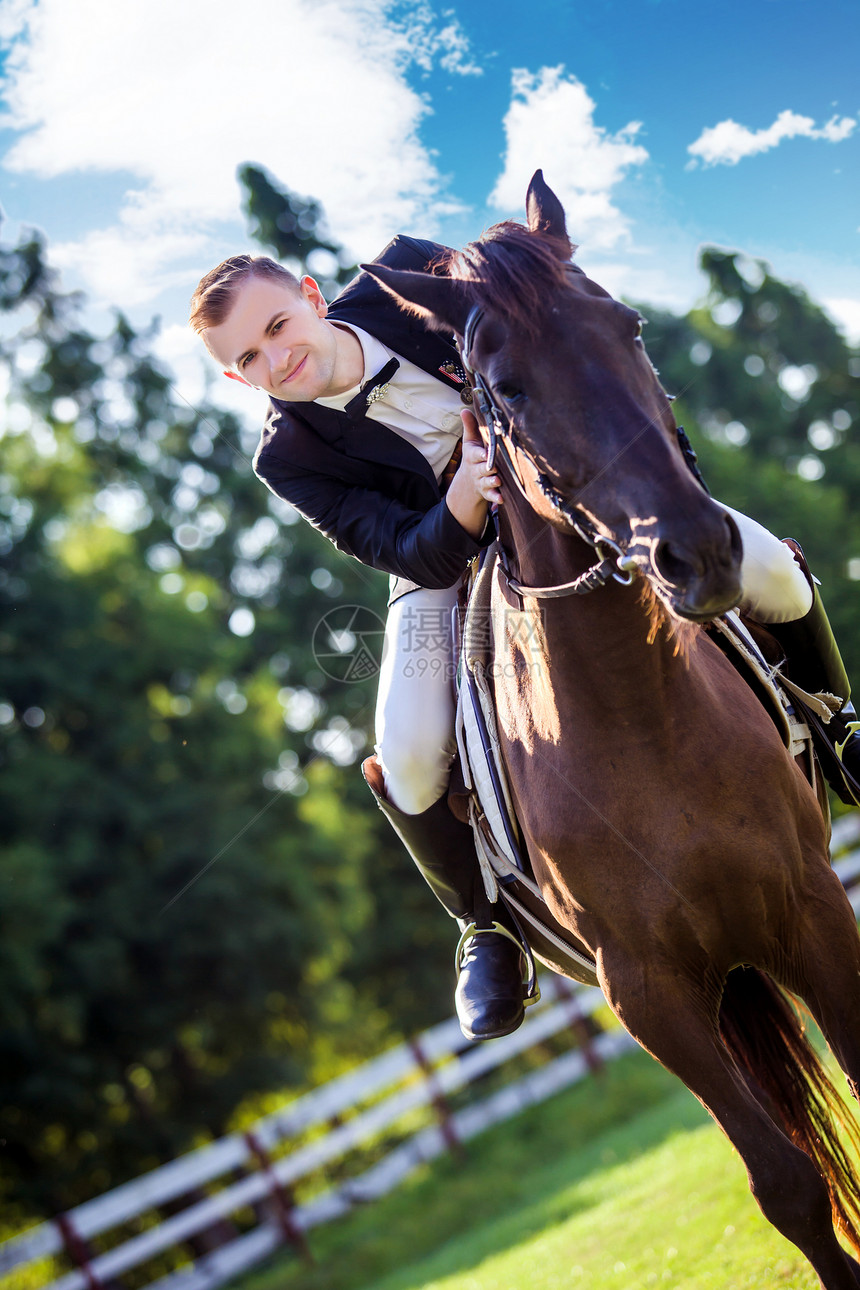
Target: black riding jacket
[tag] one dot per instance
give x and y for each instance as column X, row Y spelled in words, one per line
column 361, row 484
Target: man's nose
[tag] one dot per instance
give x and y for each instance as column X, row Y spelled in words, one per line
column 277, row 354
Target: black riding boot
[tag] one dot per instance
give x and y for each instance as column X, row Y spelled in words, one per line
column 814, row 663
column 489, row 996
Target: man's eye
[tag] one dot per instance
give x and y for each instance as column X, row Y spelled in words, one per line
column 246, row 360
column 276, row 327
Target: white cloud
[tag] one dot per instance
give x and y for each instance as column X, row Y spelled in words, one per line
column 727, row 142
column 126, row 266
column 449, row 45
column 176, row 96
column 846, row 312
column 550, row 124
column 660, row 279
column 455, row 55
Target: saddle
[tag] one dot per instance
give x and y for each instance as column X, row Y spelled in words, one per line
column 485, row 797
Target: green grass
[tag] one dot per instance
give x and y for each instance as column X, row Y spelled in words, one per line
column 625, row 1183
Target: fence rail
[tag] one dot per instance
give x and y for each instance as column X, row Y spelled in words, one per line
column 419, row 1074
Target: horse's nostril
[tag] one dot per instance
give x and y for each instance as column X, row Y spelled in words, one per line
column 674, row 566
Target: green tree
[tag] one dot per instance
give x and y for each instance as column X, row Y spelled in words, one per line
column 291, row 227
column 767, row 388
column 174, row 914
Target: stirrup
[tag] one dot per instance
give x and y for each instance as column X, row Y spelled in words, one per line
column 530, row 984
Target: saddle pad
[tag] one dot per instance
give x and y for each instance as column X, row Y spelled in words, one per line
column 480, row 756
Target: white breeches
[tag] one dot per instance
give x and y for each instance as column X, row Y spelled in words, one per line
column 774, row 587
column 416, row 704
column 415, row 709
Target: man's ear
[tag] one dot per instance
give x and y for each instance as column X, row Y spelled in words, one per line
column 234, row 376
column 315, row 298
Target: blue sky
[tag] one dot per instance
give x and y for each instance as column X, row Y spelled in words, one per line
column 663, row 125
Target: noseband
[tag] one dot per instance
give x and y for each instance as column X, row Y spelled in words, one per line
column 612, row 563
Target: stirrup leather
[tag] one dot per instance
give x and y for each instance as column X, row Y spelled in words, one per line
column 530, row 984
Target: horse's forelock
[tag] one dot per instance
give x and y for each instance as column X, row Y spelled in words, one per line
column 512, row 269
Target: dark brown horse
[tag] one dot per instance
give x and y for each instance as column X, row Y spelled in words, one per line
column 668, row 827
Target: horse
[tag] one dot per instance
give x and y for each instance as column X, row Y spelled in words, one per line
column 669, row 829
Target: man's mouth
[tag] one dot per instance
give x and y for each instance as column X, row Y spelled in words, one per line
column 298, row 367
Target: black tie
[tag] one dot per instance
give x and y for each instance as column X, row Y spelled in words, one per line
column 371, row 391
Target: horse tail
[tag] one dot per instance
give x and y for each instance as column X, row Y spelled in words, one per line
column 765, row 1036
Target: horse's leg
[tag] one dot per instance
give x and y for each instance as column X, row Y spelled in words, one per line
column 676, row 1022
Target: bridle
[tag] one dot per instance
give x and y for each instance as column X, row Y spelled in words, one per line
column 612, row 563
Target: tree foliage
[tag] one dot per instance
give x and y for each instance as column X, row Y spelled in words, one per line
column 767, row 387
column 185, row 877
column 289, row 226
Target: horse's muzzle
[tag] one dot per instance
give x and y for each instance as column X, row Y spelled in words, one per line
column 700, row 580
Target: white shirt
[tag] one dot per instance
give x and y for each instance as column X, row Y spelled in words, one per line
column 422, row 410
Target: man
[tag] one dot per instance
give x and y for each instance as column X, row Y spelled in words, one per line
column 373, row 465
column 362, row 437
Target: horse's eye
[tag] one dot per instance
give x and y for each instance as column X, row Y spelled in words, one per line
column 639, row 325
column 510, row 392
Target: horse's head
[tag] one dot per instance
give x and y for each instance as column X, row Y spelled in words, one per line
column 588, row 428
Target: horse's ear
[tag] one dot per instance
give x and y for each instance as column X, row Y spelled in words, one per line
column 443, row 301
column 545, row 214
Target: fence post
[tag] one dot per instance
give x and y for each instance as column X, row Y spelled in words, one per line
column 77, row 1250
column 280, row 1196
column 439, row 1100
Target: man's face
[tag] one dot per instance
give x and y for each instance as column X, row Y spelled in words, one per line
column 276, row 338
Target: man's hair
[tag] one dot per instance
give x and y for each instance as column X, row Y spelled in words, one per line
column 216, row 290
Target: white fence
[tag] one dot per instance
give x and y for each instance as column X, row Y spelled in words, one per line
column 253, row 1173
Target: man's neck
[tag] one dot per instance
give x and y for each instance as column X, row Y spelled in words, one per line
column 349, row 361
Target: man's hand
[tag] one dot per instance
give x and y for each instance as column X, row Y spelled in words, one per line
column 473, row 486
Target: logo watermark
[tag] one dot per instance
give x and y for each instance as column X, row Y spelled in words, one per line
column 348, row 643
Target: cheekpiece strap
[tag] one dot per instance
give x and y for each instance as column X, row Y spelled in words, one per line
column 690, row 457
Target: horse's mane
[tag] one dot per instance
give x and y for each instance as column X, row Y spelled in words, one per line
column 511, row 268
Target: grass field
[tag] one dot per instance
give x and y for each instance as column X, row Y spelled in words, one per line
column 623, row 1183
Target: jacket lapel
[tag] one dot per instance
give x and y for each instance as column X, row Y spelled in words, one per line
column 327, row 422
column 371, row 441
column 364, row 440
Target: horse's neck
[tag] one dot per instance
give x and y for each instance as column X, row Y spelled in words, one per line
column 539, row 553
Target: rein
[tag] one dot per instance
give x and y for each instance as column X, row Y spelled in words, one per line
column 612, row 563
